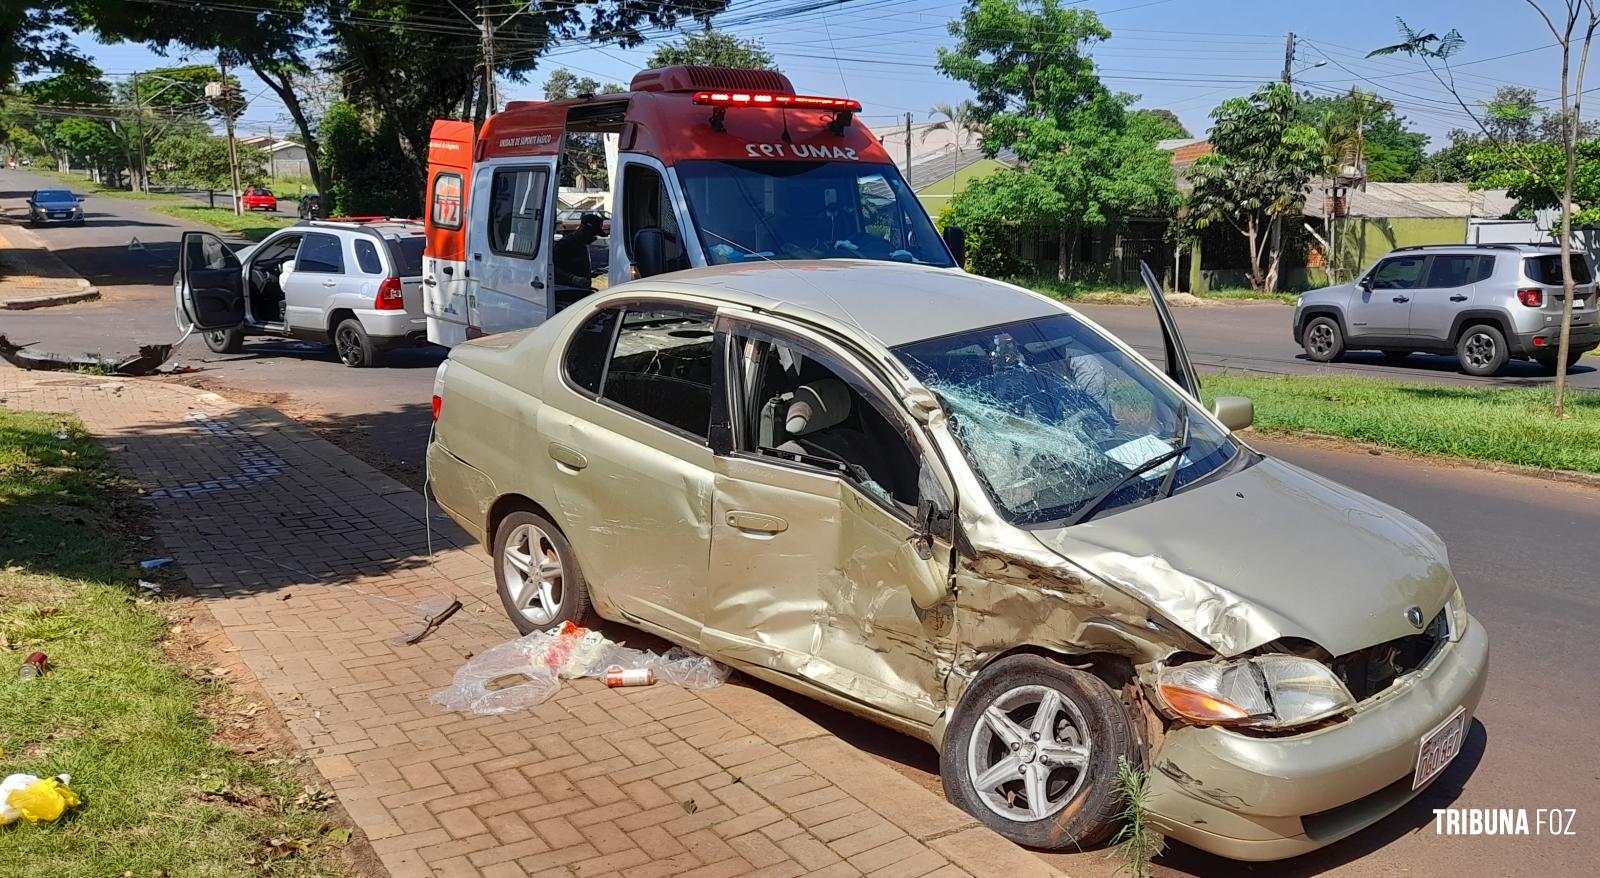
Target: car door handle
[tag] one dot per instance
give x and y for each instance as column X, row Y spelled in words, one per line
column 567, row 457
column 330, row 282
column 756, row 523
column 429, row 282
column 536, row 284
column 1402, row 298
column 1458, row 298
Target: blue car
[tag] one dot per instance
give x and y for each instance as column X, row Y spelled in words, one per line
column 55, row 206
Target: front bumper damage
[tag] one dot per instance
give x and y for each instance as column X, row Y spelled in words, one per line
column 1267, row 798
column 150, row 358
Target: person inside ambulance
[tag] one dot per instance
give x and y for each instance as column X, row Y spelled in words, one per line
column 571, row 255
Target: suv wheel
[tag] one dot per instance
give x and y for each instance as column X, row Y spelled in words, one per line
column 353, row 345
column 224, row 341
column 1323, row 340
column 1482, row 350
column 537, row 574
column 1032, row 752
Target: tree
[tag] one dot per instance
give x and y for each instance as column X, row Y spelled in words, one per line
column 199, row 160
column 1084, row 163
column 713, row 48
column 1573, row 25
column 1263, row 156
column 1167, row 122
column 1362, row 129
column 960, row 120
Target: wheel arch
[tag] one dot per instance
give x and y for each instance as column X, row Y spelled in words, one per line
column 338, row 316
column 503, row 506
column 1312, row 312
column 1478, row 316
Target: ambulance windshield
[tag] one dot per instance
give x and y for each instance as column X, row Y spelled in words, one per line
column 754, row 210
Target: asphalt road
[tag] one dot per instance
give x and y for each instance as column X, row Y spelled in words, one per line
column 1522, row 547
column 1258, row 339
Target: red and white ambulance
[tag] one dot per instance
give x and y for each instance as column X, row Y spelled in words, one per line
column 714, row 165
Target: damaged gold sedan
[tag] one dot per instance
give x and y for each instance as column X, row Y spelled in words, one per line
column 962, row 510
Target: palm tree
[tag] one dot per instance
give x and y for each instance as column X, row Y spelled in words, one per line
column 960, row 120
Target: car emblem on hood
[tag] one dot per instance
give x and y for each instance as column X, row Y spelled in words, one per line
column 1414, row 616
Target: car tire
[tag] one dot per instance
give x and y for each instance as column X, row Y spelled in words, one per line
column 1090, row 724
column 1323, row 340
column 224, row 341
column 537, row 574
column 1482, row 350
column 352, row 344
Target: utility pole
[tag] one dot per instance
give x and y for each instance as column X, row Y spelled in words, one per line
column 908, row 143
column 140, row 184
column 1277, row 220
column 1288, row 60
column 488, row 61
column 226, row 96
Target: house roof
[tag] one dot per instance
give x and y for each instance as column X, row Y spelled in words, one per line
column 927, row 170
column 1397, row 200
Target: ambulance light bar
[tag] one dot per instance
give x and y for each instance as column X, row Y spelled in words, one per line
column 767, row 99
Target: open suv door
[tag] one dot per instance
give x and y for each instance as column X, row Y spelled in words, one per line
column 210, row 283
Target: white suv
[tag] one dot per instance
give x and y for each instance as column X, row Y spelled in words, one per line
column 354, row 284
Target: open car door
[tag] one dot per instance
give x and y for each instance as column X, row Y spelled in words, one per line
column 210, row 283
column 1178, row 366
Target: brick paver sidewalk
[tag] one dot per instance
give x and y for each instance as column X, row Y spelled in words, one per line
column 313, row 562
column 33, row 277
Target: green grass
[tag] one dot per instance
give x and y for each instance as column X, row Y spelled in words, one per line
column 84, row 186
column 254, row 226
column 1086, row 292
column 1506, row 425
column 159, row 795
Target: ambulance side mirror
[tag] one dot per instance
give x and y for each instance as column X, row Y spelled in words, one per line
column 650, row 252
column 955, row 237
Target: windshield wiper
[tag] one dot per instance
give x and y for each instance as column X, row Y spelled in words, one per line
column 1089, row 508
column 1171, row 477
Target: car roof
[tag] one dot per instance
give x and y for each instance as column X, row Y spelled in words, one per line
column 892, row 302
column 386, row 228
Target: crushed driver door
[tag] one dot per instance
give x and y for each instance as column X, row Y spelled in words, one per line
column 1178, row 366
column 210, row 283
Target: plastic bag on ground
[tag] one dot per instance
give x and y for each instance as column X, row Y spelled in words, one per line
column 529, row 670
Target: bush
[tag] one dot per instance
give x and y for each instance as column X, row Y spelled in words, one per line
column 370, row 176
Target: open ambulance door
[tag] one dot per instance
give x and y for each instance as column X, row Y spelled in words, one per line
column 448, row 288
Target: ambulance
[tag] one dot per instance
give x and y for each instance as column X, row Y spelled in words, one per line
column 711, row 166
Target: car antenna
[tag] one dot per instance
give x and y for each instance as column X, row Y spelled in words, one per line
column 803, row 279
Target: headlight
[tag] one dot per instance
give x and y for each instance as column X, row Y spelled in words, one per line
column 1268, row 691
column 1299, row 301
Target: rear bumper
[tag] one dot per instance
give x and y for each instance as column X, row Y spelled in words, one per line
column 393, row 328
column 1254, row 798
column 1546, row 339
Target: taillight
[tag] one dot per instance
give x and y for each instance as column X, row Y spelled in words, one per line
column 1533, row 297
column 438, row 389
column 391, row 295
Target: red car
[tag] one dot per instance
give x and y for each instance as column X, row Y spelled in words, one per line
column 259, row 198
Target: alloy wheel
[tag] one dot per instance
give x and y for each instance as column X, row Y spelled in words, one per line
column 1480, row 350
column 1029, row 754
column 1321, row 340
column 348, row 346
column 533, row 574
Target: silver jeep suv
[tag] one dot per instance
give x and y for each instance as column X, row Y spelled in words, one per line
column 1485, row 303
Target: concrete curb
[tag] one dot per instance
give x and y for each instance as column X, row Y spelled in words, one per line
column 81, row 291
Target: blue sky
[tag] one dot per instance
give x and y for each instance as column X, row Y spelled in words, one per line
column 1185, row 55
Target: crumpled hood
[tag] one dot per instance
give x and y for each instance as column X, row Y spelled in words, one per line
column 1271, row 551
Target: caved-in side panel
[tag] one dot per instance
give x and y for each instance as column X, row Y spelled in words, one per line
column 809, row 580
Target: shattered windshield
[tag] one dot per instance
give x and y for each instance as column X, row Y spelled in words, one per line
column 807, row 210
column 1051, row 415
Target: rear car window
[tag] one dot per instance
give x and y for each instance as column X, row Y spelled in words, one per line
column 407, row 254
column 1451, row 270
column 321, row 254
column 1547, row 269
column 367, row 258
column 662, row 367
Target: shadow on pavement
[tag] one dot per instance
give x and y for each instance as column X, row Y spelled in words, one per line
column 1517, row 373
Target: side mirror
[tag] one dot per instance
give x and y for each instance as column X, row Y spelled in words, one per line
column 955, row 237
column 1235, row 412
column 935, row 513
column 650, row 252
column 1365, row 283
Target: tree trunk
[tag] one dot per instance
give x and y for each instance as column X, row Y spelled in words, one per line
column 1062, row 249
column 278, row 80
column 1275, row 256
column 1252, row 235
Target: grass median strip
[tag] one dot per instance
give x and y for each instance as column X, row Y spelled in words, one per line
column 254, row 226
column 1506, row 425
column 160, row 795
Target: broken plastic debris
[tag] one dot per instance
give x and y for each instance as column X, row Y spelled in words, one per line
column 149, row 358
column 26, row 797
column 153, row 563
column 61, row 435
column 149, row 587
column 432, row 614
column 529, row 670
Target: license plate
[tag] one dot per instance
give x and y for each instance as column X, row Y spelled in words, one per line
column 1439, row 747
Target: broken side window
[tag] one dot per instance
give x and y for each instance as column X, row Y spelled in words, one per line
column 661, row 367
